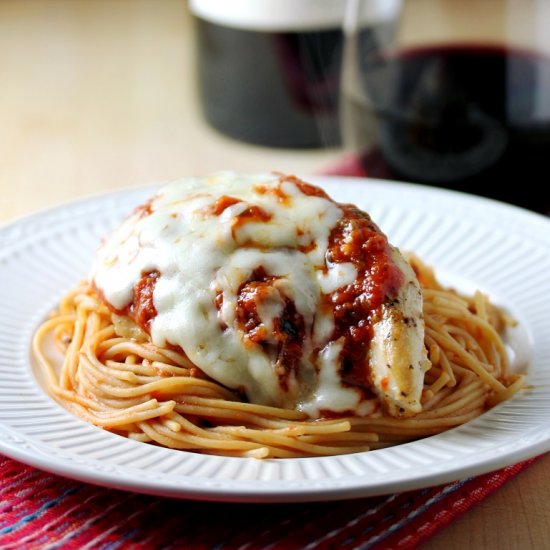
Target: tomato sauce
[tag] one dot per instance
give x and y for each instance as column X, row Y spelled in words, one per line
column 277, row 192
column 306, row 188
column 221, row 204
column 142, row 310
column 356, row 307
column 251, row 214
column 284, row 341
column 145, row 209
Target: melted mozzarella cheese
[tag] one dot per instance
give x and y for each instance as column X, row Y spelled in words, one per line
column 198, row 255
column 202, row 252
column 336, row 276
column 330, row 395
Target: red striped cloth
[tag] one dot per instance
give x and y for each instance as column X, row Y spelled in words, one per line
column 40, row 510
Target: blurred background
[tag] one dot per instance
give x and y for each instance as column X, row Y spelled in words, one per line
column 102, row 94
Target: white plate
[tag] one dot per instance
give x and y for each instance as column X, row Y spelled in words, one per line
column 472, row 242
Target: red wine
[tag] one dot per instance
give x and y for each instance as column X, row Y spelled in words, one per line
column 471, row 118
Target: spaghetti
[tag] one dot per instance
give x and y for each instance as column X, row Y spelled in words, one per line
column 113, row 376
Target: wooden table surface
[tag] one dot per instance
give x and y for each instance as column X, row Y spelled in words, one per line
column 100, row 94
